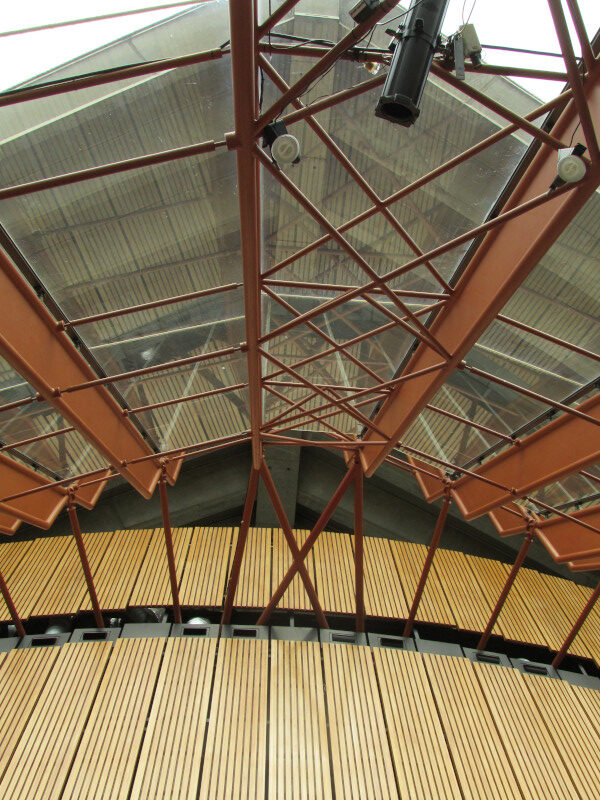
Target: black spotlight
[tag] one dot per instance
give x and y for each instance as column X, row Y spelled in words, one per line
column 417, row 42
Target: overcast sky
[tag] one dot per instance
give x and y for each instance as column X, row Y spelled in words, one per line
column 518, row 23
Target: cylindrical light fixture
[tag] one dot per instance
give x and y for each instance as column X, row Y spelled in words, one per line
column 399, row 102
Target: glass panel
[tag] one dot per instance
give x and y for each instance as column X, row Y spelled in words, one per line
column 57, row 456
column 573, row 492
column 133, row 39
column 475, row 399
column 196, row 420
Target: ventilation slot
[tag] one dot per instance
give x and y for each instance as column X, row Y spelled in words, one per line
column 94, row 636
column 487, row 658
column 195, row 631
column 244, row 633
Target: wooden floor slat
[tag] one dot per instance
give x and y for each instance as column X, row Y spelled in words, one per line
column 589, row 634
column 383, row 591
column 533, row 755
column 66, row 588
column 235, row 756
column 477, row 751
column 170, row 758
column 205, row 570
column 254, row 586
column 433, row 607
column 11, row 557
column 41, row 762
column 362, row 763
column 105, row 762
column 35, row 570
column 118, row 569
column 470, row 607
column 23, row 674
column 334, row 572
column 421, row 757
column 130, row 568
column 153, row 585
column 574, row 736
column 298, row 750
column 543, row 603
column 515, row 621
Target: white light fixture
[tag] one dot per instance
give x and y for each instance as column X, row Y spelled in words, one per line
column 571, row 168
column 286, row 149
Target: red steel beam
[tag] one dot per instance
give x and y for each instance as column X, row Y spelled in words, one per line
column 48, row 360
column 107, row 76
column 565, row 445
column 419, row 182
column 313, row 211
column 576, row 628
column 275, row 18
column 433, row 545
column 296, row 553
column 166, row 301
column 584, row 565
column 300, row 555
column 502, row 261
column 40, row 510
column 164, row 507
column 506, row 589
column 495, row 106
column 175, row 456
column 575, row 80
column 236, row 566
column 84, row 560
column 244, row 68
column 14, row 614
column 586, row 48
column 115, row 168
column 9, row 524
column 548, row 337
column 354, row 173
column 323, row 64
column 359, row 550
column 566, row 541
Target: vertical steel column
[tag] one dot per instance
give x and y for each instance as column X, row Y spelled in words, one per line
column 358, row 547
column 234, row 575
column 244, row 70
column 435, row 540
column 575, row 629
column 507, row 587
column 11, row 607
column 84, row 559
column 164, row 504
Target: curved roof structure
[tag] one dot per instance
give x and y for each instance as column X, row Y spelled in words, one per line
column 421, row 297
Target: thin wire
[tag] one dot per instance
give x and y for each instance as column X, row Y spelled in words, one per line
column 404, row 13
column 471, row 11
column 574, row 132
column 521, row 50
column 100, row 18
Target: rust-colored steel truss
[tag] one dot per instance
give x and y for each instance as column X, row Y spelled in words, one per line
column 506, row 247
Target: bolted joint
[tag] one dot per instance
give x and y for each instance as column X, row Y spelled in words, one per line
column 56, row 392
column 448, row 486
column 61, row 325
